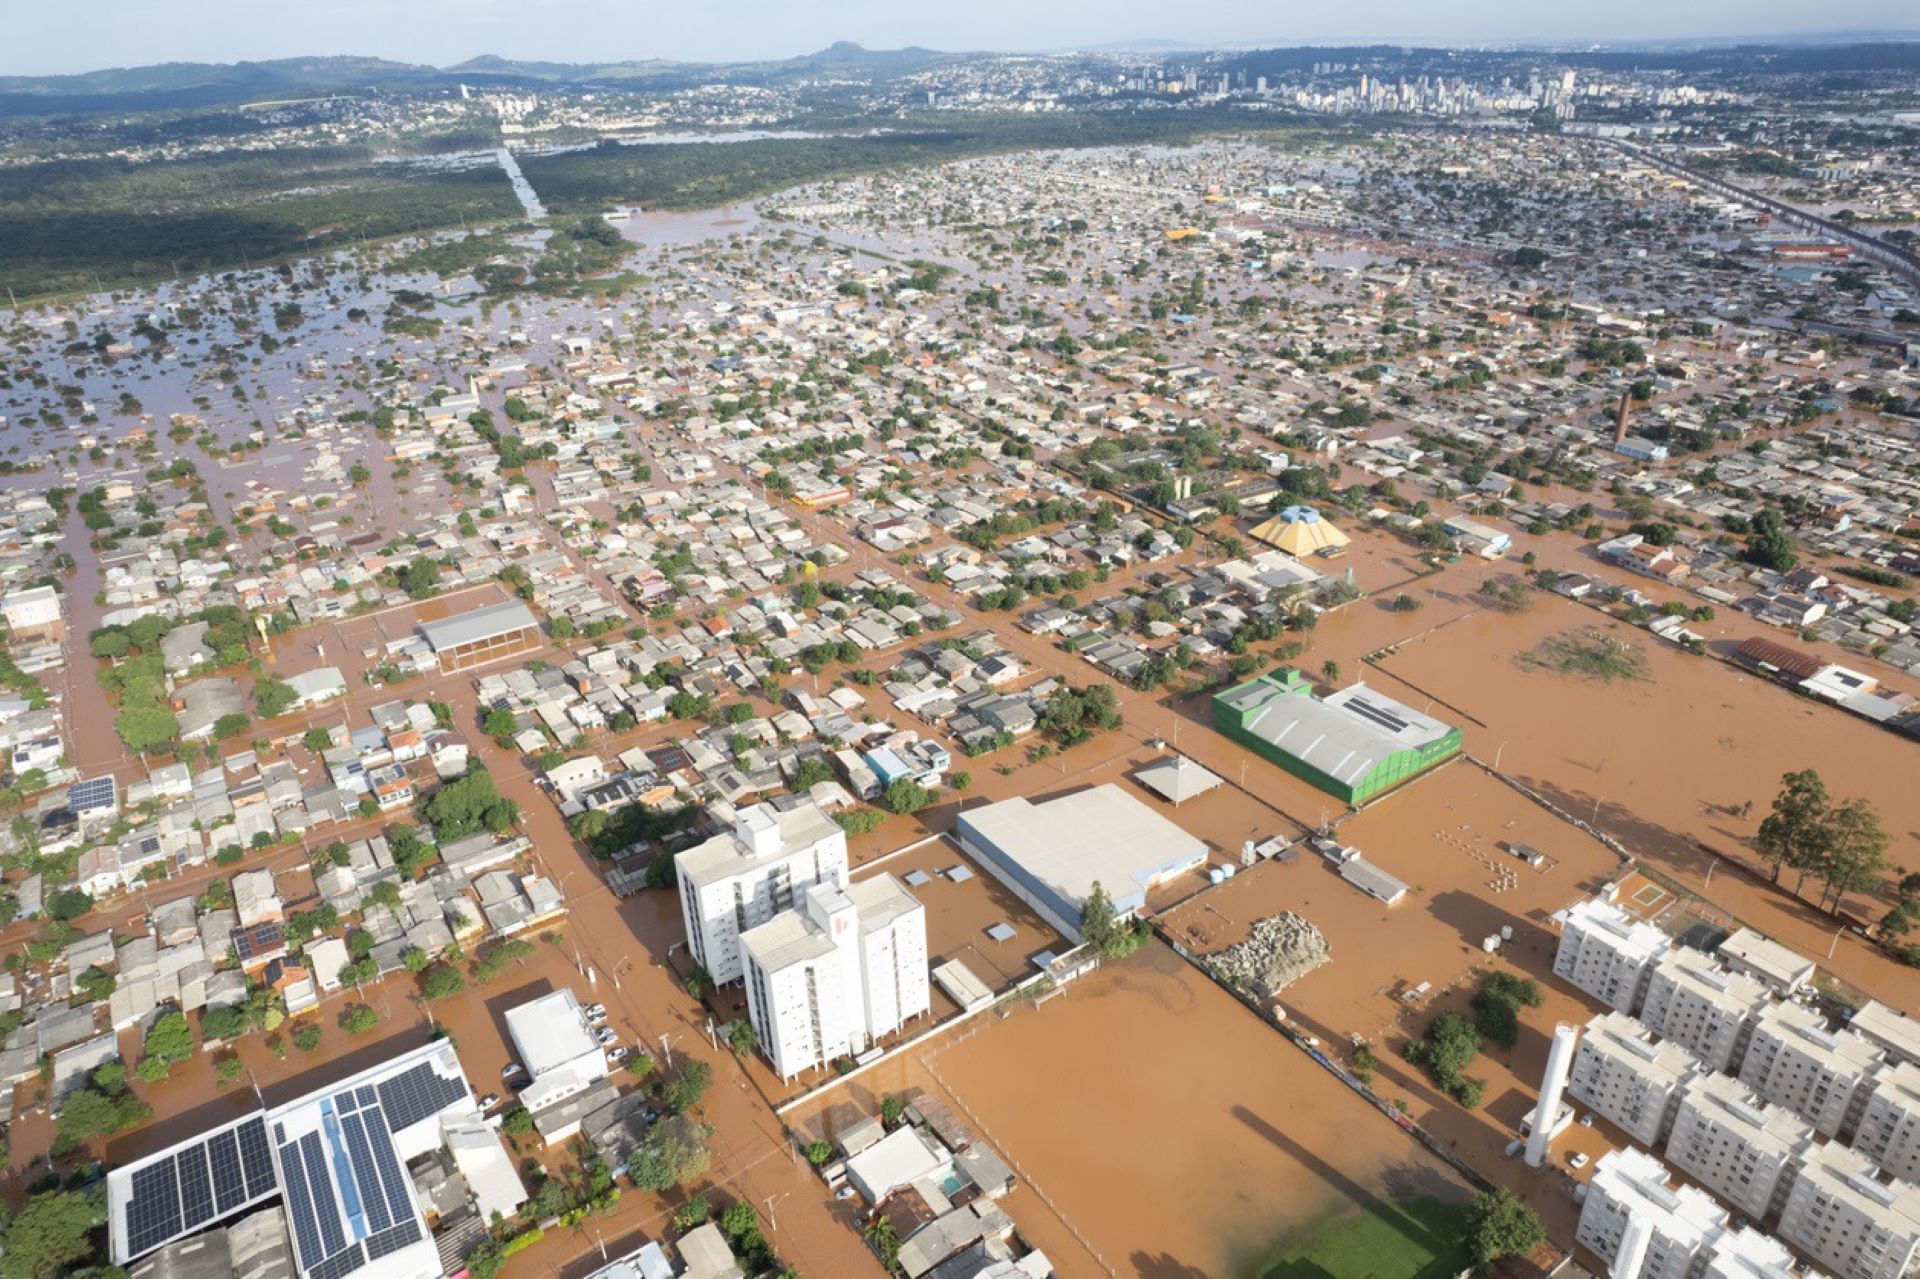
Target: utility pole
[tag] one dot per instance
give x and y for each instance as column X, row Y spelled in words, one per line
column 665, row 1050
column 773, row 1222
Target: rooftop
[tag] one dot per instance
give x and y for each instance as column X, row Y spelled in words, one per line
column 478, row 625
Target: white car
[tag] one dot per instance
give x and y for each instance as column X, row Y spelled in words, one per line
column 617, row 1055
column 604, row 1036
column 509, row 1070
column 1577, row 1159
column 596, row 1012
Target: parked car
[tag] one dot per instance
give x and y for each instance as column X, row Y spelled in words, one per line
column 1577, row 1159
column 604, row 1036
column 845, row 1192
column 489, row 1101
column 511, row 1069
column 617, row 1055
column 596, row 1012
column 1586, row 1121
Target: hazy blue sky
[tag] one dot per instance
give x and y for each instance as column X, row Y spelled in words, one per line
column 80, row 35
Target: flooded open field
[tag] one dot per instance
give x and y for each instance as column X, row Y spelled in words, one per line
column 1170, row 1132
column 1660, row 762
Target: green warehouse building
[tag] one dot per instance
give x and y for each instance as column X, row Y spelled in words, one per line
column 1352, row 745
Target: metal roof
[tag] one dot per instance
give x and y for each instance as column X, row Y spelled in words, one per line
column 478, row 625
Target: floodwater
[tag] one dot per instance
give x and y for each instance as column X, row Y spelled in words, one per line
column 1170, row 1131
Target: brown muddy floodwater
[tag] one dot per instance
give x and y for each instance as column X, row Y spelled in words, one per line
column 1173, row 1131
column 1659, row 762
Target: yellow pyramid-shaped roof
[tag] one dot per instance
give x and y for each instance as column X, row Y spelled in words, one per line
column 1300, row 532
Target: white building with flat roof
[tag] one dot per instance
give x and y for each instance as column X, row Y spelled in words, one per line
column 1784, row 971
column 1628, row 1079
column 1897, row 1034
column 1746, row 1253
column 829, row 979
column 1794, row 1060
column 1673, row 1228
column 1726, row 1139
column 1607, row 954
column 557, row 1048
column 742, row 879
column 1889, row 1129
column 1707, row 1009
column 31, row 608
column 1849, row 1221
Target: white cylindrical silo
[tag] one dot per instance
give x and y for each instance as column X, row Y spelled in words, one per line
column 1632, row 1256
column 1559, row 1062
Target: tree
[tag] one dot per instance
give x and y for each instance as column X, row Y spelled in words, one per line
column 273, row 697
column 904, row 795
column 1795, row 833
column 685, row 1091
column 1497, row 1005
column 68, row 905
column 518, row 1121
column 892, row 1107
column 360, row 1019
column 1097, row 923
column 230, row 726
column 675, row 1154
column 51, row 1233
column 1446, row 1049
column 1500, row 1225
column 1771, row 545
column 169, row 1038
column 414, row 959
column 307, row 1038
column 441, row 981
column 741, row 1037
column 1856, row 850
column 146, row 726
column 421, row 578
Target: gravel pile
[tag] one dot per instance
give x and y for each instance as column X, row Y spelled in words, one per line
column 1279, row 951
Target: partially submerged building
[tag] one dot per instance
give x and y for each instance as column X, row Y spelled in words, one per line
column 1353, row 745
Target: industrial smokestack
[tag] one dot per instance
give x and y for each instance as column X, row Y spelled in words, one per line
column 1632, row 1257
column 1559, row 1062
column 1620, row 418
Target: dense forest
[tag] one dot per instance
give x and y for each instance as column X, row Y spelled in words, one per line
column 71, row 225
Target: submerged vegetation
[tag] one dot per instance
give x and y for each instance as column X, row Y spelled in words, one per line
column 1588, row 653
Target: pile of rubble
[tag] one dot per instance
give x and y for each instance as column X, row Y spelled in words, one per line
column 1280, row 950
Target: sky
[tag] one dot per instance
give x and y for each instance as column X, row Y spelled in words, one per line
column 50, row 39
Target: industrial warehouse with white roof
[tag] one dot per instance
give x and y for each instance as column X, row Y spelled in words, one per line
column 1052, row 853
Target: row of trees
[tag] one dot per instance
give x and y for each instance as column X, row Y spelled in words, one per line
column 1841, row 844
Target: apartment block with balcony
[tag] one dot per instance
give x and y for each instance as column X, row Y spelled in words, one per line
column 1628, row 1079
column 1742, row 1150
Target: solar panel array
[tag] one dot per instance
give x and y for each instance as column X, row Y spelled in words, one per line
column 95, row 792
column 412, row 1095
column 198, row 1185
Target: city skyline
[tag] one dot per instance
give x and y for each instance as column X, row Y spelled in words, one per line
column 124, row 33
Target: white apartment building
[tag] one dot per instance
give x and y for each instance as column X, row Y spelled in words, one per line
column 1728, row 1141
column 1605, row 953
column 1897, row 1034
column 742, row 879
column 1781, row 969
column 1673, row 1230
column 1793, row 1060
column 1707, row 1009
column 1889, row 1128
column 827, row 980
column 31, row 608
column 1628, row 1079
column 1746, row 1253
column 1847, row 1220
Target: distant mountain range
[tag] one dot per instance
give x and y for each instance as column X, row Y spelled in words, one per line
column 197, row 84
column 187, row 85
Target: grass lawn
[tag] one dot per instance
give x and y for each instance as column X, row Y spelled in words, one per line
column 1425, row 1239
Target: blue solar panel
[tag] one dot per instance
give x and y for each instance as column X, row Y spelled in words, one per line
column 393, row 1177
column 391, row 1241
column 332, row 1236
column 340, row 1265
column 414, row 1094
column 255, row 1157
column 373, row 1201
column 229, row 1182
column 306, row 1230
column 153, row 1210
column 94, row 793
column 196, row 1187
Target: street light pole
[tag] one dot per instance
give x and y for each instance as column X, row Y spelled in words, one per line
column 773, row 1222
column 665, row 1050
